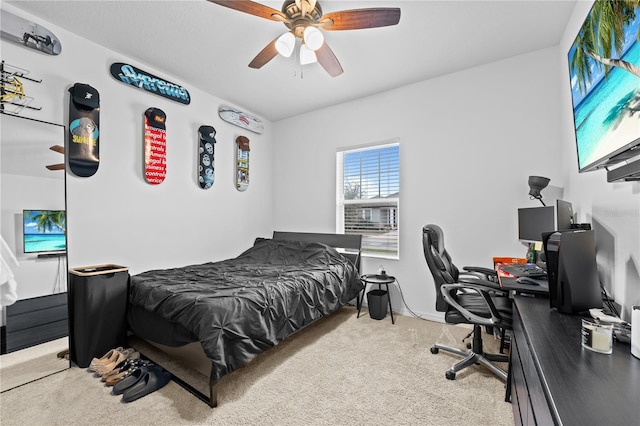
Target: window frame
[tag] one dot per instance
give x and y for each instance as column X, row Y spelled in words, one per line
column 391, row 205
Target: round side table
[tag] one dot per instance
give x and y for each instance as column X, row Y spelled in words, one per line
column 380, row 280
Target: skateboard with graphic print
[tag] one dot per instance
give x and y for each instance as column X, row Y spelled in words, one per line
column 29, row 34
column 83, row 149
column 155, row 146
column 206, row 149
column 242, row 163
column 241, row 119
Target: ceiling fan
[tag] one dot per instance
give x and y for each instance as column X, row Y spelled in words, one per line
column 303, row 18
column 59, row 166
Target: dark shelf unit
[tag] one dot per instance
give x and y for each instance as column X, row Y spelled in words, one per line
column 34, row 321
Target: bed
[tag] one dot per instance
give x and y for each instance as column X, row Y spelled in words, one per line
column 235, row 309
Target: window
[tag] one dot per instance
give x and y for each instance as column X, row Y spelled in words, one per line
column 368, row 196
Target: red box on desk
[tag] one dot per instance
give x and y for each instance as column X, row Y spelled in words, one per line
column 497, row 261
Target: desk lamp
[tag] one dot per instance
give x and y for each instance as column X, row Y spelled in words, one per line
column 537, row 184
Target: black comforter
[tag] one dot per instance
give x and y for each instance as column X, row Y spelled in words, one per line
column 240, row 307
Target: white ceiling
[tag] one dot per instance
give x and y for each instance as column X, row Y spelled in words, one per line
column 201, row 44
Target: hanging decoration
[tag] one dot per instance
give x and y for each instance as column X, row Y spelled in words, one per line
column 29, row 34
column 155, row 146
column 206, row 149
column 13, row 96
column 242, row 163
column 241, row 119
column 132, row 76
column 84, row 124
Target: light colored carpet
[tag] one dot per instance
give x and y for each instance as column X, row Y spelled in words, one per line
column 27, row 365
column 340, row 371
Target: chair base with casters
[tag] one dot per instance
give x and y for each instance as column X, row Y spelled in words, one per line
column 473, row 356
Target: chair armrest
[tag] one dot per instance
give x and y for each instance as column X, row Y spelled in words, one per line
column 489, row 274
column 486, row 271
column 482, row 290
column 491, row 284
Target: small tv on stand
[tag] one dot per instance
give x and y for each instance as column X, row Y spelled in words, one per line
column 574, row 285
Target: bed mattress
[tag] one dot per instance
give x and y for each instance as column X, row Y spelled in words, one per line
column 238, row 308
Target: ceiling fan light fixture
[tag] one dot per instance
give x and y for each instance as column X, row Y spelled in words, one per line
column 285, row 44
column 313, row 38
column 305, row 6
column 307, row 56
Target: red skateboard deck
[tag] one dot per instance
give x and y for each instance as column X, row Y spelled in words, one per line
column 155, row 146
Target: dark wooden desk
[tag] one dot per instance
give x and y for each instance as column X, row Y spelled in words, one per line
column 554, row 380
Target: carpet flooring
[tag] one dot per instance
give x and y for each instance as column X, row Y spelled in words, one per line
column 342, row 370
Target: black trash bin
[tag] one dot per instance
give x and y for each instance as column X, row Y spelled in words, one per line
column 97, row 311
column 378, row 301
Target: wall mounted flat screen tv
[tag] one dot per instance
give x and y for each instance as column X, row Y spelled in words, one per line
column 44, row 231
column 604, row 67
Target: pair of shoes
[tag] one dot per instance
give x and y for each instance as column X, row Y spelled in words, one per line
column 119, row 356
column 127, row 354
column 123, row 370
column 141, row 382
column 105, row 359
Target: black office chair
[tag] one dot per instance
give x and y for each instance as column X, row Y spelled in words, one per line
column 471, row 300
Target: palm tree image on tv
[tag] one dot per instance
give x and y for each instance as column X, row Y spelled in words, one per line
column 604, row 66
column 44, row 230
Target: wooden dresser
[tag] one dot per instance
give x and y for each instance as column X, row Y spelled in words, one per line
column 34, row 321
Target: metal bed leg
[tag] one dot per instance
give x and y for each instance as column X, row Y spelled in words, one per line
column 213, row 396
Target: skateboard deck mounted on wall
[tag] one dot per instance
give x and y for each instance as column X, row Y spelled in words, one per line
column 241, row 119
column 26, row 33
column 155, row 146
column 132, row 76
column 206, row 149
column 84, row 124
column 242, row 163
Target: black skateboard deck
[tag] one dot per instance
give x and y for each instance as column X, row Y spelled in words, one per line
column 155, row 146
column 206, row 148
column 84, row 124
column 135, row 77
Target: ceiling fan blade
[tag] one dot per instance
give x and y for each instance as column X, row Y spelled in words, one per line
column 252, row 8
column 57, row 148
column 328, row 60
column 55, row 166
column 265, row 55
column 360, row 18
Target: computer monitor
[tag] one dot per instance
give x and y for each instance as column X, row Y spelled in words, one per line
column 564, row 215
column 534, row 221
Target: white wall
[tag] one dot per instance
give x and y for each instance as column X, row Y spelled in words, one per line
column 468, row 142
column 35, row 276
column 115, row 216
column 612, row 208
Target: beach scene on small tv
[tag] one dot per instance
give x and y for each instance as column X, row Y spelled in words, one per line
column 604, row 66
column 44, row 231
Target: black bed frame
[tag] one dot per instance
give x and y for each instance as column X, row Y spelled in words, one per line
column 349, row 246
